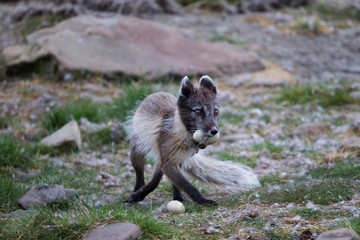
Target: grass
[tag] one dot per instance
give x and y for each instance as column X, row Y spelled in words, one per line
column 315, row 93
column 272, row 178
column 220, row 37
column 126, row 103
column 120, row 108
column 330, row 13
column 73, row 221
column 4, row 123
column 322, row 192
column 32, row 24
column 232, row 156
column 278, row 234
column 311, row 214
column 22, row 155
column 311, row 28
column 271, row 147
column 343, row 170
column 59, row 116
column 10, row 192
column 354, row 224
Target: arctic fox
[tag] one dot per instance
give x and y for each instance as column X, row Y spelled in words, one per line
column 164, row 128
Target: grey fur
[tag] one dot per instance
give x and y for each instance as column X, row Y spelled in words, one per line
column 162, row 129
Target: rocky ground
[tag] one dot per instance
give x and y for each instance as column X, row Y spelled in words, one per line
column 296, row 123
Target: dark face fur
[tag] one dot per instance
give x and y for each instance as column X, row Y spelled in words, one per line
column 199, row 108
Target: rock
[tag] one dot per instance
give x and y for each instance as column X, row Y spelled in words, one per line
column 68, row 133
column 130, row 46
column 311, row 130
column 117, row 130
column 22, row 213
column 2, row 66
column 339, row 234
column 23, row 176
column 240, row 79
column 243, row 138
column 160, row 210
column 89, row 127
column 355, row 95
column 353, row 116
column 43, row 194
column 272, row 76
column 350, row 144
column 115, row 231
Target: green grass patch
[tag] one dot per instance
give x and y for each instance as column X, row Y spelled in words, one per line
column 272, row 178
column 126, row 103
column 322, row 192
column 228, row 156
column 273, row 149
column 220, row 37
column 79, row 177
column 18, row 154
column 330, row 13
column 73, row 221
column 10, row 192
column 354, row 224
column 59, row 116
column 312, row 214
column 310, row 28
column 99, row 138
column 346, row 170
column 32, row 24
column 315, row 93
column 4, row 123
column 278, row 234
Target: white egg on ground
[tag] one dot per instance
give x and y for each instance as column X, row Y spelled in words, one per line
column 175, row 206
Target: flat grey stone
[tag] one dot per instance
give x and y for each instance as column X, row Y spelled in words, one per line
column 43, row 194
column 339, row 234
column 311, row 130
column 22, row 213
column 115, row 231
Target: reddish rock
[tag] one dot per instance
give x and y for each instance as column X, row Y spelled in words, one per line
column 130, row 46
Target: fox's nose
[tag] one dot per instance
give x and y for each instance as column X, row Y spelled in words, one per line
column 214, row 131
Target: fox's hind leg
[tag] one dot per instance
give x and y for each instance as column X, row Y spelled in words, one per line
column 138, row 161
column 143, row 191
column 177, row 194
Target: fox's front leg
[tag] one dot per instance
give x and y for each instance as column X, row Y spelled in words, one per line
column 173, row 172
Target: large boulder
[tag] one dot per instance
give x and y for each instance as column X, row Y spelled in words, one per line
column 130, row 46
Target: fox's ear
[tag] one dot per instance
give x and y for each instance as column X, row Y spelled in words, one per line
column 186, row 87
column 206, row 82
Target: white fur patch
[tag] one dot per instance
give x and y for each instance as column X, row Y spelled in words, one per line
column 227, row 176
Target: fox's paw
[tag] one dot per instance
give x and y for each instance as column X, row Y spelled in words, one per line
column 207, row 202
column 133, row 198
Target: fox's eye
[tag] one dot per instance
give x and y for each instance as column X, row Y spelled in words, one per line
column 216, row 112
column 198, row 112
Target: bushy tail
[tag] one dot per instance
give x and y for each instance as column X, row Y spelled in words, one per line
column 228, row 176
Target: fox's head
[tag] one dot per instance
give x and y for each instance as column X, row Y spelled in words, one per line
column 199, row 108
